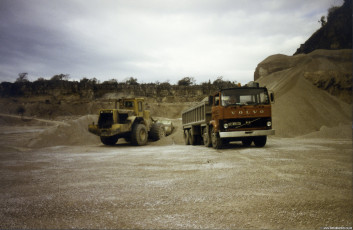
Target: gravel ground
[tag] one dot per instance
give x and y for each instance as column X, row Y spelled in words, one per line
column 291, row 183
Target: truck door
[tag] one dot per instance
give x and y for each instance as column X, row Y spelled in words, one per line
column 216, row 108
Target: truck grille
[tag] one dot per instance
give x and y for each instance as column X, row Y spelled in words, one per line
column 246, row 123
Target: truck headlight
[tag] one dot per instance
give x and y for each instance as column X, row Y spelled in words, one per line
column 225, row 126
column 269, row 123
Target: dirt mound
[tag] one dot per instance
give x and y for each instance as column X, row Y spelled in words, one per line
column 301, row 107
column 339, row 132
column 169, row 110
column 74, row 132
column 69, row 133
column 14, row 120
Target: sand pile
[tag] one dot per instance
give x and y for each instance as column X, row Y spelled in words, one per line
column 338, row 132
column 302, row 108
column 73, row 132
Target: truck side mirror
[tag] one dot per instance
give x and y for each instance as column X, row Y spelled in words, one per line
column 272, row 97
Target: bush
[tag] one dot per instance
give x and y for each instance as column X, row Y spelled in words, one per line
column 186, row 81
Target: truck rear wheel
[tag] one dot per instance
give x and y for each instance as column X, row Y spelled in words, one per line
column 109, row 140
column 157, row 131
column 139, row 134
column 216, row 140
column 260, row 141
column 186, row 137
column 191, row 139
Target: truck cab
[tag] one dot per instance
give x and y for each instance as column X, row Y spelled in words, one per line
column 234, row 114
column 243, row 114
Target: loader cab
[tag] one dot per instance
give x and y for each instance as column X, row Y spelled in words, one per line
column 134, row 104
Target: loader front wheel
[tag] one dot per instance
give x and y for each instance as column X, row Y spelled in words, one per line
column 157, row 131
column 139, row 134
column 109, row 140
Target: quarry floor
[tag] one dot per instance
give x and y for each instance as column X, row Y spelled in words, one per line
column 291, row 183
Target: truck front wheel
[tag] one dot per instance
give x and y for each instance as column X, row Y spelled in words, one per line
column 260, row 141
column 247, row 141
column 216, row 140
column 139, row 134
column 109, row 140
column 206, row 137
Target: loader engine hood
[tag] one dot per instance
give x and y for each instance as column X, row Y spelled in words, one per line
column 126, row 111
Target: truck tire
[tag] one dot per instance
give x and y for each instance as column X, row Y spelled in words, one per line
column 157, row 131
column 109, row 140
column 186, row 137
column 206, row 137
column 216, row 139
column 260, row 141
column 191, row 139
column 139, row 134
column 247, row 142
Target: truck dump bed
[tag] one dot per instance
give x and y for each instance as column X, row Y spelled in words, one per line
column 199, row 114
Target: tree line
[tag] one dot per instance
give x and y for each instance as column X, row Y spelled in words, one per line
column 185, row 81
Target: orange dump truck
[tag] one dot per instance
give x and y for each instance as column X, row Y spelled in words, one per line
column 236, row 114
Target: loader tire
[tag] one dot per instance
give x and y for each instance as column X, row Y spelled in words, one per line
column 157, row 132
column 139, row 134
column 109, row 140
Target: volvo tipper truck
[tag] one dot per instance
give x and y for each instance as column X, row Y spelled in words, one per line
column 235, row 114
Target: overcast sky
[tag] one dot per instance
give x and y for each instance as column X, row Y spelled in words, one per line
column 151, row 40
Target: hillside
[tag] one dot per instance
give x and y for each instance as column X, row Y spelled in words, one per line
column 301, row 106
column 336, row 33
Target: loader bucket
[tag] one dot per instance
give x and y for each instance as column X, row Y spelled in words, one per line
column 168, row 126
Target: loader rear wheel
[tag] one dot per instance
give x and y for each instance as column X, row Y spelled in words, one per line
column 109, row 140
column 139, row 134
column 157, row 131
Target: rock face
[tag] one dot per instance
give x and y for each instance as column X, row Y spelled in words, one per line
column 335, row 34
column 330, row 70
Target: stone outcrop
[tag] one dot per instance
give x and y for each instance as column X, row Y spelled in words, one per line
column 335, row 34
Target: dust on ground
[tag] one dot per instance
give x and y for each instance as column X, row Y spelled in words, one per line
column 292, row 183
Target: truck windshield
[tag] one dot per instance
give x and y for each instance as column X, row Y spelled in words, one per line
column 244, row 96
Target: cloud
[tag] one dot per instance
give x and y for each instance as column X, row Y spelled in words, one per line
column 152, row 40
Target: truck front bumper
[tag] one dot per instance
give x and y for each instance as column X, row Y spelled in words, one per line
column 250, row 133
